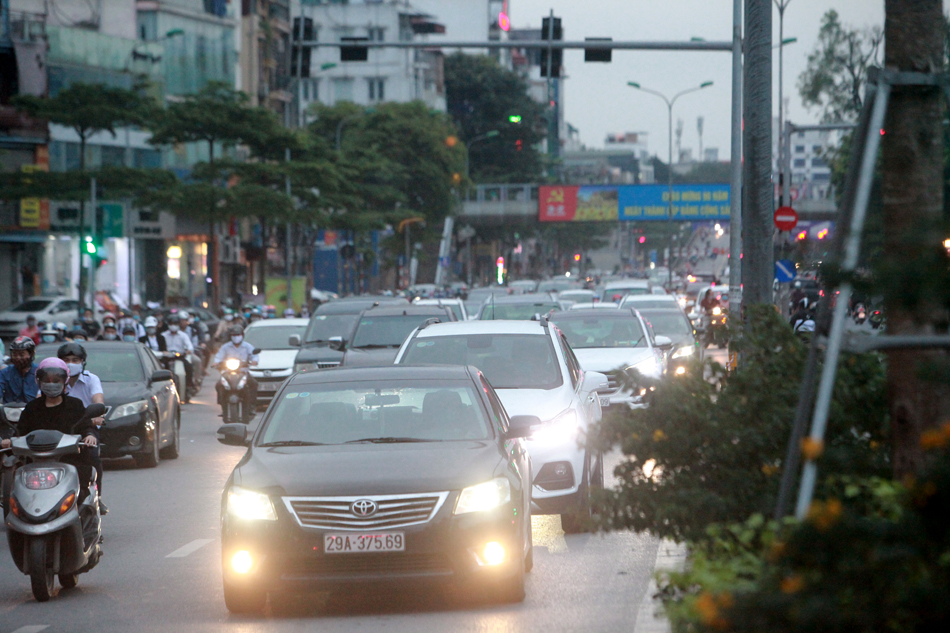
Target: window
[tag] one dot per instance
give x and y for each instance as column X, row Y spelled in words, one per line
column 112, row 156
column 816, row 149
column 377, row 89
column 799, row 162
column 376, row 34
column 799, row 149
column 342, row 89
column 573, row 367
column 821, row 177
column 801, row 135
column 818, row 162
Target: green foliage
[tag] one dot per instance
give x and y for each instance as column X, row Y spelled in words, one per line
column 481, row 97
column 833, row 81
column 709, row 448
column 115, row 182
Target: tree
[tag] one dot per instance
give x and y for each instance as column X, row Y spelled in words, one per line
column 481, row 97
column 834, row 79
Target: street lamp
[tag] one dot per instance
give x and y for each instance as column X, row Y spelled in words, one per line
column 669, row 107
column 781, row 5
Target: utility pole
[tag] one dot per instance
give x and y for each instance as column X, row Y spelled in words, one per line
column 92, row 232
column 782, row 174
column 289, row 237
column 735, row 186
column 758, row 195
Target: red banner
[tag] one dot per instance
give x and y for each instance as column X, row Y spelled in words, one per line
column 557, row 203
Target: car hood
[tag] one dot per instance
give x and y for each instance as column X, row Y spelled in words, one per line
column 607, row 359
column 319, row 353
column 277, row 358
column 13, row 316
column 370, row 357
column 116, row 393
column 544, row 403
column 369, row 469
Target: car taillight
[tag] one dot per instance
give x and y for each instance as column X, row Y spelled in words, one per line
column 40, row 479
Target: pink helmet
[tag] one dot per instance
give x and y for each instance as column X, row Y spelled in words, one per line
column 53, row 366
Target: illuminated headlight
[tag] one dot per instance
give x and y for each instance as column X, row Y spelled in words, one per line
column 648, row 367
column 486, row 496
column 304, row 367
column 717, row 311
column 683, row 352
column 560, row 429
column 132, row 408
column 232, row 363
column 682, row 301
column 249, row 505
column 12, row 413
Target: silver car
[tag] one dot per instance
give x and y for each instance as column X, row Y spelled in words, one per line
column 532, row 368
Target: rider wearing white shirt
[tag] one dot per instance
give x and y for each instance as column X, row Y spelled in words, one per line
column 178, row 341
column 240, row 349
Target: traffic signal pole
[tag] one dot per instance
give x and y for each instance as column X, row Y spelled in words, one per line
column 735, row 189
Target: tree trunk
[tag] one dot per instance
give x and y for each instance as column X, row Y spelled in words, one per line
column 912, row 151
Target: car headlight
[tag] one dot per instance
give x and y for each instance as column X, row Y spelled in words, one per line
column 249, row 505
column 13, row 413
column 486, row 496
column 232, row 363
column 648, row 367
column 563, row 428
column 304, row 367
column 131, row 408
column 683, row 352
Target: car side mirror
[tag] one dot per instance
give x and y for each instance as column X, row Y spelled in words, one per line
column 161, row 375
column 233, row 435
column 337, row 343
column 521, row 425
column 664, row 342
column 595, row 381
column 294, row 340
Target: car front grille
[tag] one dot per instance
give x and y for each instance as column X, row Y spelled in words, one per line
column 393, row 511
column 328, row 364
column 392, row 563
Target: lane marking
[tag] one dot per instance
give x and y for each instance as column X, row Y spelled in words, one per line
column 32, row 628
column 190, row 548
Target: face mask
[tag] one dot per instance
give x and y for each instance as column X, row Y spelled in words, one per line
column 109, row 336
column 49, row 338
column 151, row 331
column 128, row 338
column 74, row 368
column 237, row 339
column 31, row 323
column 87, row 319
column 228, row 317
column 173, row 329
column 52, row 389
column 136, row 317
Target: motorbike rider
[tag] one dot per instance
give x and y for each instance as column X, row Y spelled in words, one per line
column 152, row 339
column 32, row 329
column 178, row 341
column 128, row 334
column 89, row 324
column 55, row 410
column 109, row 332
column 240, row 349
column 709, row 302
column 18, row 379
column 804, row 318
column 50, row 335
column 130, row 319
column 78, row 333
column 227, row 319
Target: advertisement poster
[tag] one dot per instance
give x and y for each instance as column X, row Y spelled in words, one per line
column 610, row 203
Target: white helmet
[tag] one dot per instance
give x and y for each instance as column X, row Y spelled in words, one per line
column 151, row 322
column 183, row 316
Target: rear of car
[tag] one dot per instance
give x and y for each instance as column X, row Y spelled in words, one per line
column 616, row 290
column 673, row 324
column 518, row 307
column 380, row 332
column 276, row 359
column 457, row 306
column 649, row 302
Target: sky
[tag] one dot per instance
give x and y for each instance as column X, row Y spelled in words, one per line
column 598, row 100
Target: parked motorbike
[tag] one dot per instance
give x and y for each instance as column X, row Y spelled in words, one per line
column 9, row 416
column 860, row 314
column 49, row 532
column 175, row 363
column 234, row 376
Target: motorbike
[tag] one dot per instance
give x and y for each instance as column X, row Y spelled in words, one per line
column 9, row 416
column 876, row 319
column 175, row 363
column 715, row 327
column 860, row 314
column 49, row 531
column 234, row 376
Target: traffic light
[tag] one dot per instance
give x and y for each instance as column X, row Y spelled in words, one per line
column 519, row 145
column 643, row 239
column 500, row 263
column 91, row 247
column 551, row 31
column 577, row 257
column 514, row 118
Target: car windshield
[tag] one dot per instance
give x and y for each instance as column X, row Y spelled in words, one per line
column 119, row 365
column 339, row 413
column 594, row 331
column 323, row 326
column 618, row 293
column 32, row 305
column 273, row 337
column 387, row 331
column 557, row 285
column 516, row 311
column 669, row 323
column 647, row 304
column 509, row 361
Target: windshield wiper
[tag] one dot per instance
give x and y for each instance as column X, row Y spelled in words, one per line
column 292, row 443
column 387, row 440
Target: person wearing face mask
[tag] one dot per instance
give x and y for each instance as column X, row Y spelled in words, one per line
column 55, row 410
column 31, row 329
column 178, row 341
column 90, row 325
column 78, row 333
column 152, row 339
column 129, row 320
column 109, row 332
column 50, row 335
column 227, row 320
column 18, row 379
column 240, row 349
column 128, row 334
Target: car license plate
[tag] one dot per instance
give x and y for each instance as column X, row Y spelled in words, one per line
column 604, row 401
column 363, row 543
column 268, row 386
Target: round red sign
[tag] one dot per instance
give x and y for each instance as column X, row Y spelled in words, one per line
column 785, row 218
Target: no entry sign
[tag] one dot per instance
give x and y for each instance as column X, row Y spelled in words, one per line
column 785, row 218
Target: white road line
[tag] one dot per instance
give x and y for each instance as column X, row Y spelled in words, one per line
column 32, row 628
column 190, row 548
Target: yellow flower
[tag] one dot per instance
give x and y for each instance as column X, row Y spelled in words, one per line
column 658, row 435
column 812, row 448
column 792, row 584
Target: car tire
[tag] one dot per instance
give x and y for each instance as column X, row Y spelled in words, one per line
column 580, row 520
column 151, row 458
column 171, row 451
column 244, row 600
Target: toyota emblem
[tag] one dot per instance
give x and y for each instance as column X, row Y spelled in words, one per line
column 363, row 508
column 267, row 372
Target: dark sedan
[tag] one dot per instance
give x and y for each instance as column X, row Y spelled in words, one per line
column 380, row 331
column 144, row 415
column 385, row 474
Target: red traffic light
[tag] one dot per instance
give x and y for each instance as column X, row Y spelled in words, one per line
column 500, row 261
column 577, row 257
column 643, row 239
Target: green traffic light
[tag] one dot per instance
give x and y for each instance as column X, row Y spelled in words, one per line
column 90, row 246
column 515, row 118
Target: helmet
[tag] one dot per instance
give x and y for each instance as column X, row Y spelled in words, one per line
column 289, row 312
column 71, row 349
column 78, row 330
column 151, row 322
column 235, row 330
column 182, row 316
column 52, row 367
column 128, row 329
column 50, row 335
column 108, row 316
column 24, row 343
column 59, row 325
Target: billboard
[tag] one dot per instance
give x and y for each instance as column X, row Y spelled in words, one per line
column 602, row 203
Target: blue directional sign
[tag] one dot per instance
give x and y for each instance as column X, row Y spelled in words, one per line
column 785, row 270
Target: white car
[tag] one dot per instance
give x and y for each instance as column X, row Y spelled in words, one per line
column 600, row 305
column 532, row 368
column 617, row 290
column 47, row 309
column 608, row 340
column 649, row 302
column 276, row 363
column 456, row 305
column 578, row 296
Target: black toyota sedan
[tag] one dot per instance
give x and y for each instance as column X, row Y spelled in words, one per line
column 383, row 474
column 144, row 415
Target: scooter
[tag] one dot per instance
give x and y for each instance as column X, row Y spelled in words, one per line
column 9, row 416
column 234, row 376
column 175, row 363
column 860, row 314
column 49, row 532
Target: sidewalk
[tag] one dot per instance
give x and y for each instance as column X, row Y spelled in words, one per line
column 650, row 619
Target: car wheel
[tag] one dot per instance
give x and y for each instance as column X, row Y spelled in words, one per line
column 151, row 458
column 580, row 520
column 171, row 451
column 244, row 599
